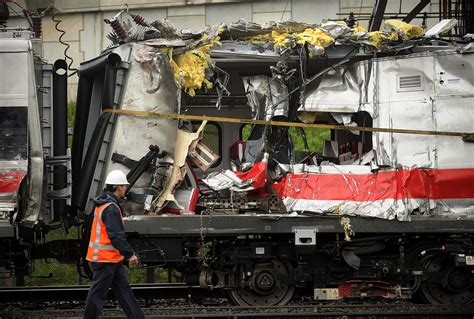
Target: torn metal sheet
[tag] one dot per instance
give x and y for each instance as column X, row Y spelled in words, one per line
column 242, row 51
column 149, row 86
column 254, row 178
column 440, row 28
column 388, row 194
column 387, row 175
column 245, row 29
column 346, row 120
column 187, row 199
column 351, row 85
column 336, row 29
column 424, row 91
column 184, row 140
column 411, row 92
column 225, row 180
column 267, row 96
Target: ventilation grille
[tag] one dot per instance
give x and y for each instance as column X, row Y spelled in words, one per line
column 409, row 83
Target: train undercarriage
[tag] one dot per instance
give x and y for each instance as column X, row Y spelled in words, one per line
column 288, row 259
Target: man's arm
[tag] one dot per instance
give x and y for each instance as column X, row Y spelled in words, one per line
column 113, row 223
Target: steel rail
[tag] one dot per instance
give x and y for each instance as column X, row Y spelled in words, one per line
column 389, row 310
column 79, row 292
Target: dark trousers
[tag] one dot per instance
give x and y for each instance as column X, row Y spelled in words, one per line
column 111, row 276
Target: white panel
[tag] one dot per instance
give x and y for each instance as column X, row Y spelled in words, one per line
column 444, row 105
column 454, row 74
column 455, row 114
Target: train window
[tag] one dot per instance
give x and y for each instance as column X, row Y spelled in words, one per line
column 314, row 136
column 212, row 137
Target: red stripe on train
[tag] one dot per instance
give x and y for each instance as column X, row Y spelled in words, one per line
column 393, row 184
column 10, row 181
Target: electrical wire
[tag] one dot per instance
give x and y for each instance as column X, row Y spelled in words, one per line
column 24, row 11
column 284, row 10
column 20, row 6
column 9, row 7
column 66, row 56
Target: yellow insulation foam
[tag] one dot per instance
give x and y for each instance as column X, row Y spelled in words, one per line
column 315, row 37
column 405, row 30
column 190, row 67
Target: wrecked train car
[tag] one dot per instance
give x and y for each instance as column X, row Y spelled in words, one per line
column 214, row 131
column 387, row 174
column 388, row 199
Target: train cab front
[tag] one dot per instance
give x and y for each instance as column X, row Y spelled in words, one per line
column 13, row 172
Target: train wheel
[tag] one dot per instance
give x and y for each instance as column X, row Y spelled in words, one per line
column 269, row 285
column 446, row 283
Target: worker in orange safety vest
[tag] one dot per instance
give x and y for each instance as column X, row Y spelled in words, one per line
column 108, row 249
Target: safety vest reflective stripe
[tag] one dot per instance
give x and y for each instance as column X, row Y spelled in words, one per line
column 98, row 229
column 102, row 246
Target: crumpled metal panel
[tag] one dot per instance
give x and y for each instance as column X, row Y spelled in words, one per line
column 17, row 58
column 442, row 27
column 431, row 174
column 227, row 179
column 440, row 101
column 454, row 114
column 406, row 150
column 149, row 87
column 267, row 96
column 343, row 90
column 240, row 181
column 388, row 193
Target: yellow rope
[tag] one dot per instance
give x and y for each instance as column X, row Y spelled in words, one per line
column 468, row 137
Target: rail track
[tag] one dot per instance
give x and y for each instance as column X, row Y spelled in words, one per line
column 341, row 311
column 180, row 301
column 79, row 292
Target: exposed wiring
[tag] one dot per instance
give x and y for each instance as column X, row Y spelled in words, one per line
column 9, row 7
column 66, row 56
column 20, row 6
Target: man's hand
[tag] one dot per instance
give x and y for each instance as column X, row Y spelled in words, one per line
column 133, row 260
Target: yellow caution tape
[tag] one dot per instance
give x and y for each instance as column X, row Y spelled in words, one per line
column 468, row 137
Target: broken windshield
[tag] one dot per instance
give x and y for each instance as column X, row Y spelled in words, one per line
column 13, row 133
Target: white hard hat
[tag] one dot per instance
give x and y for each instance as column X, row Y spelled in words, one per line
column 116, row 177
